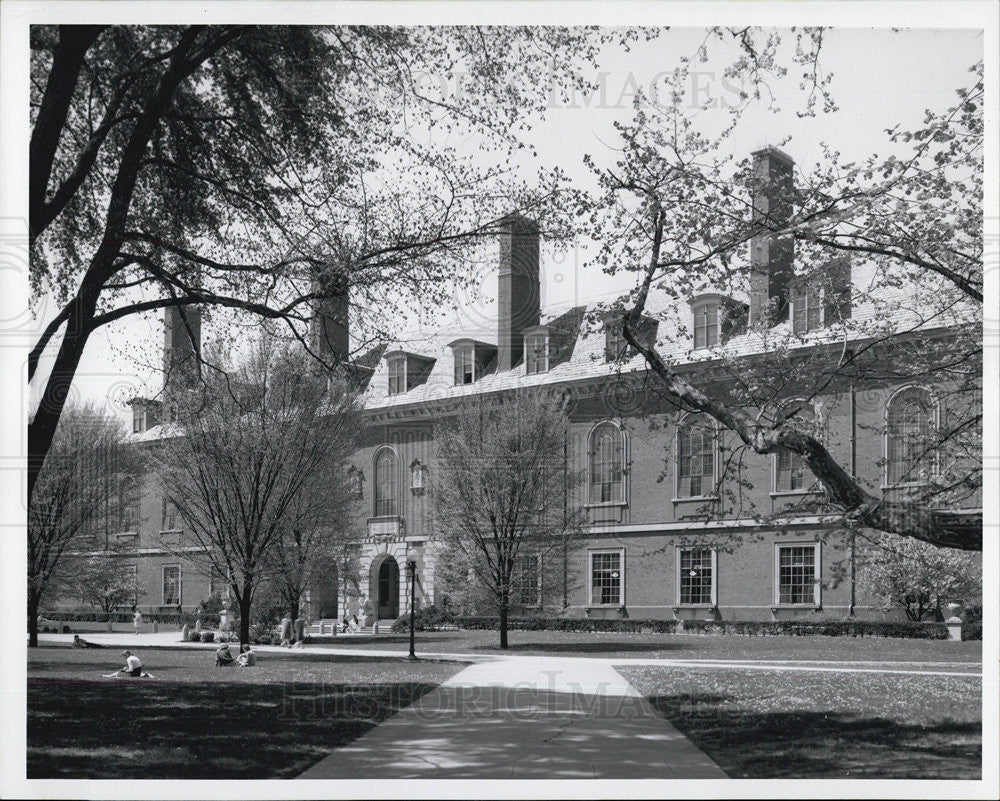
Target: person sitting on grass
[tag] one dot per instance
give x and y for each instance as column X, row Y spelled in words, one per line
column 247, row 657
column 223, row 657
column 133, row 668
column 79, row 642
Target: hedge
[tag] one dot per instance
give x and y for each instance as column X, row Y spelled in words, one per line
column 795, row 628
column 168, row 618
column 972, row 631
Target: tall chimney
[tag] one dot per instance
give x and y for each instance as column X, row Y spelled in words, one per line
column 518, row 288
column 181, row 343
column 771, row 257
column 331, row 325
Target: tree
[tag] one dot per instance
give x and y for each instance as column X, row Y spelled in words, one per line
column 230, row 166
column 501, row 489
column 256, row 454
column 681, row 215
column 90, row 464
column 916, row 576
column 318, row 533
column 103, row 579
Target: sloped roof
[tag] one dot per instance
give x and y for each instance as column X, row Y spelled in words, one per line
column 888, row 302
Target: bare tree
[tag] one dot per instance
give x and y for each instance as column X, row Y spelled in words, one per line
column 91, row 463
column 256, row 454
column 501, row 488
column 319, row 530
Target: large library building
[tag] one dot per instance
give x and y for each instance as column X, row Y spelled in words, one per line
column 678, row 520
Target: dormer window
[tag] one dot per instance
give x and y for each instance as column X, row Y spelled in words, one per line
column 465, row 365
column 138, row 420
column 615, row 345
column 536, row 353
column 807, row 308
column 706, row 323
column 397, row 376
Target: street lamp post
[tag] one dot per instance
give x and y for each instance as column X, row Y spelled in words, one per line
column 411, row 569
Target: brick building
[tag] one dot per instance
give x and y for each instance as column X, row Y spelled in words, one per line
column 671, row 530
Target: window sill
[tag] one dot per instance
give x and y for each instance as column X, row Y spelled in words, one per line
column 605, row 505
column 695, row 606
column 780, row 493
column 695, row 498
column 905, row 485
column 620, row 607
column 810, row 605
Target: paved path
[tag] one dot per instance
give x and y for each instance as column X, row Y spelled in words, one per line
column 524, row 718
column 512, row 716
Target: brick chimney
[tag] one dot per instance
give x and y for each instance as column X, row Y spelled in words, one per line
column 331, row 324
column 771, row 257
column 181, row 342
column 518, row 288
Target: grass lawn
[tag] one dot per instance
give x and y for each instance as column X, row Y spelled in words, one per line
column 764, row 724
column 677, row 646
column 196, row 721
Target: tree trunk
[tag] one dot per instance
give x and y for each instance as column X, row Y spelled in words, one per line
column 34, row 599
column 293, row 613
column 244, row 602
column 504, row 608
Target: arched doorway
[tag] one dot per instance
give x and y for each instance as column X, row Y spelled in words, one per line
column 387, row 589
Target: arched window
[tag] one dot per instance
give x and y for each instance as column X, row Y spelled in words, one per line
column 910, row 420
column 386, row 483
column 696, row 447
column 606, row 459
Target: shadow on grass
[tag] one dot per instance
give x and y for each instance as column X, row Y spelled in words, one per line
column 215, row 730
column 782, row 745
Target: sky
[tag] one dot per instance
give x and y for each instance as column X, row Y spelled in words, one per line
column 881, row 78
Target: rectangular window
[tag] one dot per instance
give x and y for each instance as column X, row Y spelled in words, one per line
column 397, row 376
column 797, row 569
column 790, row 472
column 138, row 421
column 464, row 366
column 171, row 585
column 216, row 582
column 526, row 581
column 696, row 581
column 807, row 310
column 606, row 578
column 536, row 354
column 169, row 517
column 133, row 585
column 706, row 326
column 695, row 461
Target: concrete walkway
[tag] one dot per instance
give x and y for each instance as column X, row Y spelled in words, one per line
column 524, row 718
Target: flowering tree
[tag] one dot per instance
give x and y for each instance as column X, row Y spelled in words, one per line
column 682, row 216
column 916, row 576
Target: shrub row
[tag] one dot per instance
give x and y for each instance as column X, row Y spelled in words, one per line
column 168, row 618
column 972, row 631
column 749, row 628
